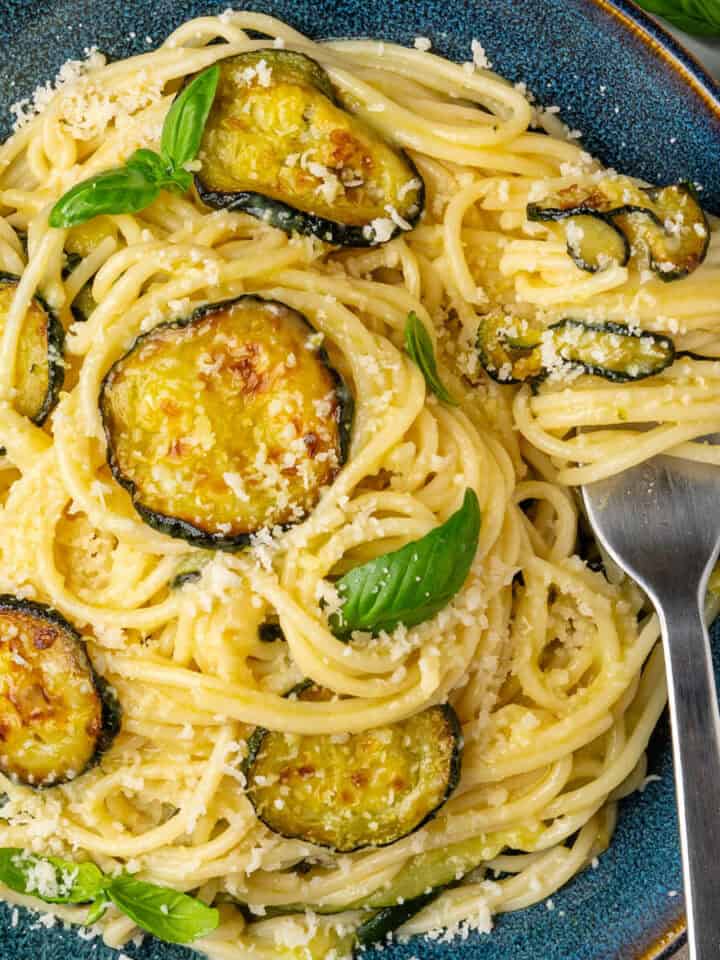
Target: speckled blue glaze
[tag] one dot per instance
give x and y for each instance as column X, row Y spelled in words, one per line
column 645, row 110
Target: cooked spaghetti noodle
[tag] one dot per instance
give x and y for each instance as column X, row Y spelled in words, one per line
column 552, row 667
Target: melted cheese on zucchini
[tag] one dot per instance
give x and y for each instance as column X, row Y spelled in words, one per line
column 225, row 423
column 51, row 713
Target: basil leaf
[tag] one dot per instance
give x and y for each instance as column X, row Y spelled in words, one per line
column 151, row 164
column 49, row 878
column 412, row 584
column 97, row 910
column 694, row 16
column 159, row 170
column 420, row 349
column 166, row 913
column 123, row 190
column 185, row 121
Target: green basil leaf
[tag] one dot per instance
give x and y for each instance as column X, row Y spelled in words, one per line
column 97, row 910
column 160, row 171
column 419, row 346
column 123, row 190
column 694, row 16
column 412, row 584
column 181, row 181
column 166, row 913
column 49, row 878
column 185, row 121
column 151, row 164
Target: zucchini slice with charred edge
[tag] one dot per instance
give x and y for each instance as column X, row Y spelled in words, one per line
column 515, row 351
column 508, row 348
column 279, row 146
column 226, row 422
column 666, row 225
column 40, row 368
column 369, row 790
column 57, row 716
column 673, row 232
column 593, row 241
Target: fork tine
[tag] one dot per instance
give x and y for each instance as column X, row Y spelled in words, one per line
column 660, row 522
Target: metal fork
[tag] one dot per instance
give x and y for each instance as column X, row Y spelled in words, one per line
column 660, row 522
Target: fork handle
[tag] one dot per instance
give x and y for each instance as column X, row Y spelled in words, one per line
column 696, row 751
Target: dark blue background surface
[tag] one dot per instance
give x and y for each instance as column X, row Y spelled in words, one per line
column 648, row 121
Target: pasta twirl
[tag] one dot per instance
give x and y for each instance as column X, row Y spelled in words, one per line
column 552, row 667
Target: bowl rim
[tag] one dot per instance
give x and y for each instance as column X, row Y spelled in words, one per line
column 665, row 45
column 662, row 42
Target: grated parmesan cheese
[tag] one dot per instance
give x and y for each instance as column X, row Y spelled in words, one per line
column 396, row 218
column 379, row 230
column 70, row 72
column 479, row 57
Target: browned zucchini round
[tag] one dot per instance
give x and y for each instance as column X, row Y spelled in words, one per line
column 368, row 789
column 40, row 369
column 278, row 145
column 593, row 241
column 508, row 348
column 514, row 351
column 227, row 422
column 665, row 226
column 56, row 716
column 670, row 229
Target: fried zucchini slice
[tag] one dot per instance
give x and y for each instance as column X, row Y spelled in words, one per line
column 665, row 226
column 611, row 350
column 593, row 241
column 672, row 232
column 226, row 422
column 56, row 716
column 366, row 791
column 40, row 368
column 508, row 348
column 278, row 145
column 514, row 351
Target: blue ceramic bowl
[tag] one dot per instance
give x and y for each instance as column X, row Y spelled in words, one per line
column 644, row 106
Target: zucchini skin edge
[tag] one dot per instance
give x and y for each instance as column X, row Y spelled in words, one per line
column 56, row 344
column 183, row 529
column 258, row 735
column 557, row 215
column 608, row 326
column 291, row 220
column 111, row 709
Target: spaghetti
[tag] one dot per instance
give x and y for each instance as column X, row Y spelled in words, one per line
column 551, row 665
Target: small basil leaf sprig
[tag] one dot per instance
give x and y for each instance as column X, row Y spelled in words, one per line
column 133, row 187
column 411, row 584
column 49, row 878
column 420, row 349
column 694, row 16
column 168, row 914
